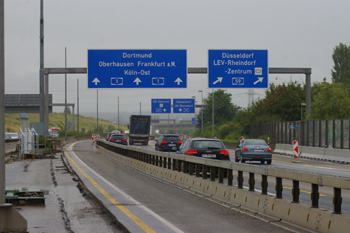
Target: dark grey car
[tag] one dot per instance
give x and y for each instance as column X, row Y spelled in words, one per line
column 168, row 142
column 253, row 150
column 118, row 138
column 209, row 148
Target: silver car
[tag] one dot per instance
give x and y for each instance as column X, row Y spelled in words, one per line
column 253, row 150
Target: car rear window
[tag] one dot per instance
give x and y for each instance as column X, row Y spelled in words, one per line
column 205, row 144
column 256, row 142
column 171, row 138
column 117, row 136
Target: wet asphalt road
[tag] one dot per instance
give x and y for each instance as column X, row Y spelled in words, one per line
column 181, row 208
column 305, row 165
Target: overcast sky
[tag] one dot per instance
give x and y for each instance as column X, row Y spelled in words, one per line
column 296, row 33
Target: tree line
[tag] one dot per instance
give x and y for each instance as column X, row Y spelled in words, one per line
column 281, row 103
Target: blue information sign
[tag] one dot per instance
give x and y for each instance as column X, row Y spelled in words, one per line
column 183, row 106
column 137, row 68
column 238, row 69
column 161, row 105
column 194, row 121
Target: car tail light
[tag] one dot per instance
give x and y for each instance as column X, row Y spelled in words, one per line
column 124, row 140
column 245, row 148
column 268, row 150
column 224, row 152
column 179, row 142
column 191, row 152
column 111, row 140
column 164, row 142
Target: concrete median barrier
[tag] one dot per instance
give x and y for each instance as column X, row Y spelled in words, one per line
column 318, row 153
column 302, row 215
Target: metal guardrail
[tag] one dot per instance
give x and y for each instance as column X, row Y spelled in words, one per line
column 11, row 140
column 216, row 178
column 195, row 166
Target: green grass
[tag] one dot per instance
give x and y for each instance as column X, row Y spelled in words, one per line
column 13, row 122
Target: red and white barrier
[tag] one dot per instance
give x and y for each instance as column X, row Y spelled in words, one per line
column 94, row 137
column 295, row 149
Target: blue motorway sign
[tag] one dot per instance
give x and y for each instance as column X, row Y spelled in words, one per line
column 161, row 105
column 137, row 68
column 183, row 105
column 238, row 69
column 293, row 127
column 194, row 121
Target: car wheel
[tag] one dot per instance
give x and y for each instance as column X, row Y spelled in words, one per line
column 242, row 161
column 262, row 161
column 269, row 162
column 236, row 159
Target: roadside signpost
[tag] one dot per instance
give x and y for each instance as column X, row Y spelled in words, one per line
column 238, row 69
column 293, row 127
column 137, row 69
column 194, row 121
column 161, row 106
column 183, row 105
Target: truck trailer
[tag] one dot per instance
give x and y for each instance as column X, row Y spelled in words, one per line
column 139, row 129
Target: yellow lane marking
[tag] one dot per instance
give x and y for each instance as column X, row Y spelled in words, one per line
column 305, row 165
column 321, row 195
column 134, row 218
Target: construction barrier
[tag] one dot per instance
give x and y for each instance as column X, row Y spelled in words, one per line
column 295, row 149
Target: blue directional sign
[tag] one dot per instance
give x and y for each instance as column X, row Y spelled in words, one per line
column 238, row 69
column 137, row 68
column 194, row 121
column 183, row 105
column 161, row 105
column 293, row 127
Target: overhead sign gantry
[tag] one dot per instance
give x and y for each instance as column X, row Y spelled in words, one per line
column 238, row 69
column 137, row 68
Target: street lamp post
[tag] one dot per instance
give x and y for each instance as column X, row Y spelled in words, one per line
column 212, row 117
column 202, row 112
column 301, row 110
column 194, row 97
column 118, row 114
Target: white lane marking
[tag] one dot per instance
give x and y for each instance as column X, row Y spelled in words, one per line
column 125, row 195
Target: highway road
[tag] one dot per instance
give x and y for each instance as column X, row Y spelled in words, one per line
column 169, row 208
column 306, row 165
column 181, row 210
column 188, row 212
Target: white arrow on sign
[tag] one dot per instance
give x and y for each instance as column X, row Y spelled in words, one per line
column 180, row 110
column 260, row 79
column 178, row 81
column 96, row 81
column 219, row 80
column 137, row 81
column 164, row 110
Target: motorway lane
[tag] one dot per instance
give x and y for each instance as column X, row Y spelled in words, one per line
column 305, row 165
column 177, row 206
column 287, row 162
